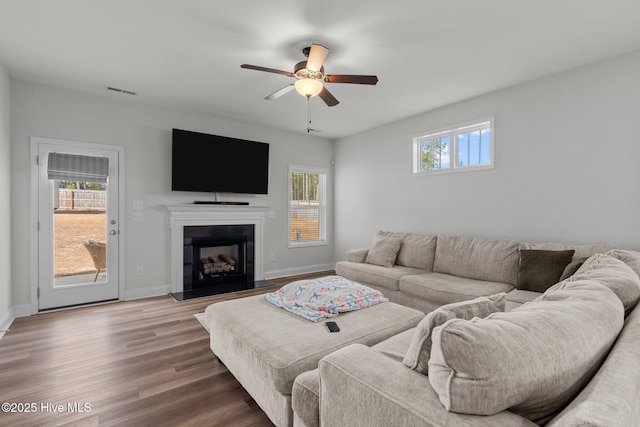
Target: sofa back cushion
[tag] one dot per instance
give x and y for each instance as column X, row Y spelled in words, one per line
column 614, row 274
column 581, row 251
column 532, row 360
column 493, row 260
column 417, row 250
column 419, row 351
column 631, row 258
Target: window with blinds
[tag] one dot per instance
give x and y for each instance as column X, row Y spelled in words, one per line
column 307, row 206
column 72, row 167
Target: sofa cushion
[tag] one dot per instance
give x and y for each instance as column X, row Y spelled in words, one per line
column 572, row 267
column 446, row 289
column 614, row 274
column 361, row 387
column 374, row 275
column 419, row 351
column 396, row 347
column 538, row 270
column 631, row 258
column 532, row 360
column 305, row 398
column 521, row 296
column 417, row 250
column 384, row 251
column 493, row 260
column 581, row 251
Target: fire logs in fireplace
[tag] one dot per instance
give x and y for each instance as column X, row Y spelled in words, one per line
column 219, row 264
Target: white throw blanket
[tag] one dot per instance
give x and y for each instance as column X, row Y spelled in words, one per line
column 328, row 296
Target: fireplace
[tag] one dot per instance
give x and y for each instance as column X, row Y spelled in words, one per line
column 218, row 231
column 220, row 256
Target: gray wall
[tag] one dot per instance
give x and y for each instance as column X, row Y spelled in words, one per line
column 145, row 132
column 5, row 200
column 567, row 151
column 567, row 166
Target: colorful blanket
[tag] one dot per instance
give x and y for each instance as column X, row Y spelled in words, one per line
column 322, row 298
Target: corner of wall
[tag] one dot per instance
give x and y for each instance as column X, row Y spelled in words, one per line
column 6, row 312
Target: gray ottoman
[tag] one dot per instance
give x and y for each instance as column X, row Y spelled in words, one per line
column 266, row 347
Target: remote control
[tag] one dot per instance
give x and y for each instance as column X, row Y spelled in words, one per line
column 332, row 326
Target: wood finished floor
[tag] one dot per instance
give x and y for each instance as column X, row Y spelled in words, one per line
column 136, row 363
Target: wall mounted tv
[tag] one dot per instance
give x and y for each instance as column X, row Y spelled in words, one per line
column 218, row 164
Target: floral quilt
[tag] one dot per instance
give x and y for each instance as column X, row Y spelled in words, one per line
column 325, row 297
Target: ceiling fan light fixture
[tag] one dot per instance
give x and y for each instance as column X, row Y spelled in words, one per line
column 310, row 78
column 308, row 87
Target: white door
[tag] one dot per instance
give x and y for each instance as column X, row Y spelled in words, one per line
column 78, row 224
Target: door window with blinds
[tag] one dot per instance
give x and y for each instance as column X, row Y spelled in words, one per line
column 307, row 206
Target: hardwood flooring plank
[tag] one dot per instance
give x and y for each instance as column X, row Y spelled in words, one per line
column 143, row 362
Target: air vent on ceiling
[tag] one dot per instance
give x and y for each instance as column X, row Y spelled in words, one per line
column 115, row 89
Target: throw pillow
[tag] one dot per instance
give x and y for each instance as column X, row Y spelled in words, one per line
column 571, row 268
column 417, row 250
column 417, row 356
column 384, row 251
column 532, row 360
column 540, row 269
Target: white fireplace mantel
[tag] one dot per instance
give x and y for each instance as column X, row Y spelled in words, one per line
column 185, row 215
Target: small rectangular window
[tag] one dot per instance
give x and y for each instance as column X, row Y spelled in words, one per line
column 307, row 206
column 459, row 148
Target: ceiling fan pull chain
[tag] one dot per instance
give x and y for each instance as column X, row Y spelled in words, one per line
column 308, row 114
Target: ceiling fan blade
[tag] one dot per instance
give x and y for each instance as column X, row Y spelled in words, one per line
column 317, row 54
column 279, row 92
column 268, row 70
column 328, row 99
column 351, row 78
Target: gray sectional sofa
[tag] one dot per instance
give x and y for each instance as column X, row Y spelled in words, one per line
column 545, row 353
column 426, row 272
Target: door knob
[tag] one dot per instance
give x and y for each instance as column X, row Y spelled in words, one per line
column 113, row 232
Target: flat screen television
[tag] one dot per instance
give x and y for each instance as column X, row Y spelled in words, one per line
column 218, row 164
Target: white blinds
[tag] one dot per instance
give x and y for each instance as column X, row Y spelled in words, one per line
column 304, row 206
column 71, row 167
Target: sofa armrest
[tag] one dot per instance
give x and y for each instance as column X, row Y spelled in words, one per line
column 357, row 255
column 361, row 387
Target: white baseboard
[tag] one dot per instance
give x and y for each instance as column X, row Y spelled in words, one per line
column 15, row 311
column 274, row 274
column 155, row 291
column 5, row 322
column 23, row 310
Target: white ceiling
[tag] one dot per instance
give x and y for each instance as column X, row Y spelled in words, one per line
column 426, row 53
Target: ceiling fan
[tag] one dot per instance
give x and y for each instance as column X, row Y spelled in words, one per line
column 309, row 75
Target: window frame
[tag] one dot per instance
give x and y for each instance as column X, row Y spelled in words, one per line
column 452, row 132
column 322, row 206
